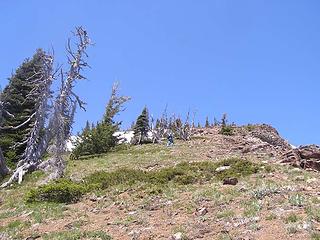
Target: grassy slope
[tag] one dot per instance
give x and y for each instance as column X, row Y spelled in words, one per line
column 279, row 205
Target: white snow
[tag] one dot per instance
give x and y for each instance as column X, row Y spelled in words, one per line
column 124, row 136
column 70, row 143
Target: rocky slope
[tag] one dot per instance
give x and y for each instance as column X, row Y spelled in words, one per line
column 280, row 201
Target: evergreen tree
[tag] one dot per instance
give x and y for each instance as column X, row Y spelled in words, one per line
column 15, row 97
column 142, row 127
column 87, row 128
column 100, row 138
column 207, row 123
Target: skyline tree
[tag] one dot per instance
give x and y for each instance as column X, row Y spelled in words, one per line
column 142, row 127
column 16, row 97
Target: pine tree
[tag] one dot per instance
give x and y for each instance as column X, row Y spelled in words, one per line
column 15, row 96
column 142, row 127
column 87, row 128
column 100, row 138
column 207, row 123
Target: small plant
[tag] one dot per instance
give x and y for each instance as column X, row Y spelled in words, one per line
column 315, row 236
column 14, row 228
column 313, row 213
column 271, row 217
column 225, row 236
column 292, row 228
column 226, row 130
column 225, row 214
column 250, row 127
column 264, row 191
column 292, row 218
column 297, row 200
column 252, row 208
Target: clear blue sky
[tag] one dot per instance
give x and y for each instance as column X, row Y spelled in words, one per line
column 258, row 61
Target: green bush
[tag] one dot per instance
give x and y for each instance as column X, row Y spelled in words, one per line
column 97, row 140
column 61, row 191
column 226, row 130
column 181, row 174
column 238, row 168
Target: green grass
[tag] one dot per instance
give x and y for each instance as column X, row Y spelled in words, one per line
column 313, row 212
column 252, row 208
column 14, row 228
column 67, row 191
column 291, row 218
column 77, row 234
column 297, row 200
column 271, row 217
column 226, row 214
column 315, row 236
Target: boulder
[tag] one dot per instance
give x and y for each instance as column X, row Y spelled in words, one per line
column 222, row 168
column 230, row 181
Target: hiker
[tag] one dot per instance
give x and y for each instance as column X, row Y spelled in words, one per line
column 170, row 140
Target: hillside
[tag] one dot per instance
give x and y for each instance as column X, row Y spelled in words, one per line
column 213, row 187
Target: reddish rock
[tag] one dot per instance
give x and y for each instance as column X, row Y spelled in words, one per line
column 230, row 181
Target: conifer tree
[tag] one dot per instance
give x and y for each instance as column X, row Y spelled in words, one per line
column 142, row 127
column 21, row 106
column 207, row 123
column 100, row 138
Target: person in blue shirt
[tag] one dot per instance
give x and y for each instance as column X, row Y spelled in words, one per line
column 170, row 140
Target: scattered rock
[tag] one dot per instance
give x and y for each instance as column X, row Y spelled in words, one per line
column 33, row 237
column 177, row 236
column 230, row 181
column 299, row 178
column 311, row 180
column 222, row 168
column 306, row 225
column 202, row 211
column 134, row 234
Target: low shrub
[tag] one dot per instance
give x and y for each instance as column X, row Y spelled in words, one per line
column 291, row 218
column 61, row 191
column 182, row 174
column 226, row 130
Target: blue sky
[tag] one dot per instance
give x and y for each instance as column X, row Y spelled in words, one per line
column 258, row 61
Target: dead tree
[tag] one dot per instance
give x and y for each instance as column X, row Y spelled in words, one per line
column 65, row 105
column 173, row 125
column 59, row 118
column 183, row 130
column 161, row 127
column 115, row 105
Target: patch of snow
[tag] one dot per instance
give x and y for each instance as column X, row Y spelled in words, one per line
column 70, row 143
column 124, row 136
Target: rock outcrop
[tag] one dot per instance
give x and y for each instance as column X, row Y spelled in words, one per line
column 306, row 157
